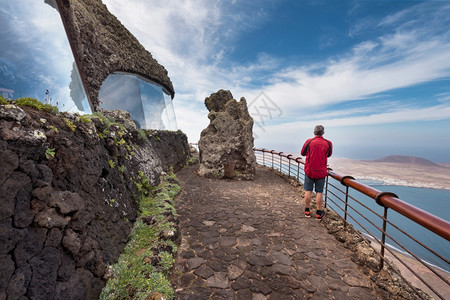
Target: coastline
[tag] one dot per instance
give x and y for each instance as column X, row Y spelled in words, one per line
column 394, row 173
column 399, row 182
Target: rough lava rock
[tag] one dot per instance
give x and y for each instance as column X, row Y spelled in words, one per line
column 228, row 139
column 65, row 216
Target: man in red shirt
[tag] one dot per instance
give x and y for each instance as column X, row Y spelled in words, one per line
column 317, row 150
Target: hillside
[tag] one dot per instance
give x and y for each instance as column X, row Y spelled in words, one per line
column 413, row 160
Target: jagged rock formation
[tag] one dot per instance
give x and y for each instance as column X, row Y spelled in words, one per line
column 228, row 139
column 67, row 197
column 102, row 45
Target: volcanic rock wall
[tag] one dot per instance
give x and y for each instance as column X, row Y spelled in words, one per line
column 67, row 188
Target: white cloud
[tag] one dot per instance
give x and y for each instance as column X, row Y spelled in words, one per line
column 193, row 39
column 289, row 134
column 443, row 97
column 193, row 119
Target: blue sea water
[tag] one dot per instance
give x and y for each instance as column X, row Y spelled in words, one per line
column 436, row 202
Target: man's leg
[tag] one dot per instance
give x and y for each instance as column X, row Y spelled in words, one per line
column 308, row 199
column 319, row 198
column 319, row 201
column 308, row 187
column 307, row 203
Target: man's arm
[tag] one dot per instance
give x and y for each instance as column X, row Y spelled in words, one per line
column 305, row 148
column 330, row 152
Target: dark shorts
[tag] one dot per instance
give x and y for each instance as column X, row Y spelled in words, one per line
column 310, row 182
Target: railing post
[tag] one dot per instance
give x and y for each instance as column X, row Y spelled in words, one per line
column 346, row 206
column 289, row 162
column 346, row 197
column 264, row 160
column 272, row 159
column 326, row 192
column 383, row 239
column 281, row 161
column 298, row 170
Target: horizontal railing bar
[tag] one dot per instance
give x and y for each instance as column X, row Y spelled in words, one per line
column 433, row 223
column 392, row 253
column 380, row 230
column 400, row 230
column 395, row 240
column 427, row 220
column 389, row 200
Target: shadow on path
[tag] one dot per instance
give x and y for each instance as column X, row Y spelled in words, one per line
column 249, row 240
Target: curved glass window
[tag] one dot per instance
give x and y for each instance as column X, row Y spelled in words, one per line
column 149, row 105
column 35, row 56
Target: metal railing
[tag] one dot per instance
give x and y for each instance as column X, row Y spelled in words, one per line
column 370, row 216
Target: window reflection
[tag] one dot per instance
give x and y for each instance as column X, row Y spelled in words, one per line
column 35, row 56
column 149, row 105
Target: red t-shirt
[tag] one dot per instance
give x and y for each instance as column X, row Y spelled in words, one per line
column 317, row 150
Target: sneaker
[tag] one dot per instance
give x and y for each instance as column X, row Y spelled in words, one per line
column 307, row 214
column 320, row 214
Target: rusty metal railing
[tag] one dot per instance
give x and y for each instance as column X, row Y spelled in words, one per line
column 348, row 205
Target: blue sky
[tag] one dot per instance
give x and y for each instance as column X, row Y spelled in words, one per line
column 376, row 74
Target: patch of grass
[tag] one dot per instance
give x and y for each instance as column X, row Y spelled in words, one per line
column 3, row 100
column 142, row 269
column 31, row 102
column 166, row 260
column 55, row 129
column 104, row 134
column 192, row 160
column 107, row 121
column 142, row 134
column 85, row 119
column 70, row 124
column 120, row 142
column 50, row 153
column 112, row 164
column 143, row 185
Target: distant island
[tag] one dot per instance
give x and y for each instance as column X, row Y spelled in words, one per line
column 396, row 170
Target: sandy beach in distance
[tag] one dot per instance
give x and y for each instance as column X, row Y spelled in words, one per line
column 394, row 173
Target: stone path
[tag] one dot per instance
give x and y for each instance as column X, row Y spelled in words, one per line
column 249, row 240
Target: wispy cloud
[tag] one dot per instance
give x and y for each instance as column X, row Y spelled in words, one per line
column 194, row 39
column 438, row 112
column 410, row 53
column 443, row 97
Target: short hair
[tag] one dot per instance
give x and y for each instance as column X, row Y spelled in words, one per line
column 319, row 130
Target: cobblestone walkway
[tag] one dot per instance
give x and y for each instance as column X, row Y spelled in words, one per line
column 249, row 240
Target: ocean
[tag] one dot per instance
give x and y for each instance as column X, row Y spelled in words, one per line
column 434, row 201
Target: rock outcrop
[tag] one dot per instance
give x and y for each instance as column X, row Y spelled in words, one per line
column 67, row 196
column 226, row 145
